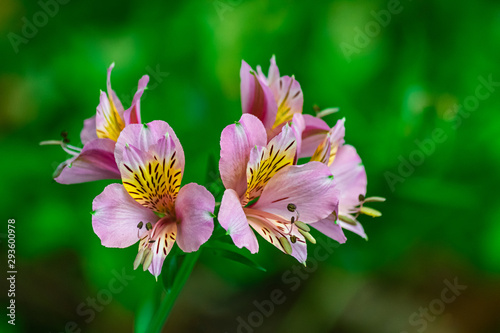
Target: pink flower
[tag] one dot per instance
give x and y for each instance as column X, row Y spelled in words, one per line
column 267, row 192
column 276, row 101
column 350, row 178
column 150, row 206
column 99, row 134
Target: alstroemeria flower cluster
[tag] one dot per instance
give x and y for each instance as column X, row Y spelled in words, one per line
column 277, row 102
column 267, row 191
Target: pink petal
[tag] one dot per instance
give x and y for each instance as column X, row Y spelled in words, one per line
column 357, row 229
column 95, row 162
column 232, row 218
column 254, row 129
column 236, row 142
column 112, row 94
column 116, row 216
column 337, row 133
column 88, row 132
column 310, row 187
column 350, row 177
column 327, row 149
column 135, row 159
column 273, row 76
column 133, row 114
column 289, row 96
column 299, row 249
column 298, row 127
column 314, row 132
column 260, row 75
column 256, row 97
column 194, row 209
column 143, row 136
column 164, row 235
column 330, row 228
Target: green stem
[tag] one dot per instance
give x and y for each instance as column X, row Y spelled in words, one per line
column 168, row 301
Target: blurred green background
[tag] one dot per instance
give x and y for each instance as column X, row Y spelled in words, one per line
column 395, row 82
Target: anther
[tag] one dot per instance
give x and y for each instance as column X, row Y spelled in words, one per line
column 308, row 236
column 291, row 207
column 370, row 211
column 140, row 225
column 303, row 226
column 326, row 112
column 138, row 259
column 293, row 239
column 361, row 198
column 147, row 260
column 64, row 135
column 292, row 219
column 149, row 226
column 347, row 219
column 374, row 199
column 286, row 245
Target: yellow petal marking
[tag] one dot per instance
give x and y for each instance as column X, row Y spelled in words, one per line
column 114, row 123
column 325, row 153
column 284, row 113
column 271, row 161
column 155, row 184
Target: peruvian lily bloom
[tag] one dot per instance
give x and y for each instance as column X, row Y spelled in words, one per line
column 96, row 160
column 266, row 192
column 150, row 206
column 350, row 177
column 276, row 101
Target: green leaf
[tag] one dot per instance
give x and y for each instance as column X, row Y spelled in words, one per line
column 170, row 269
column 231, row 252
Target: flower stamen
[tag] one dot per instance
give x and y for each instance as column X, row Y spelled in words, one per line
column 139, row 227
column 286, row 245
column 303, row 228
column 72, row 150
